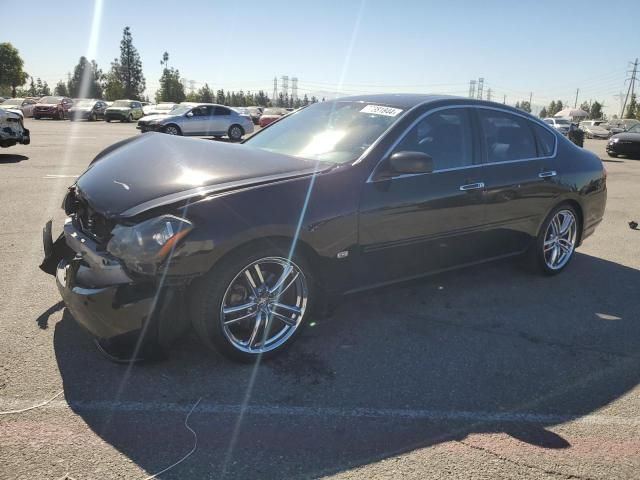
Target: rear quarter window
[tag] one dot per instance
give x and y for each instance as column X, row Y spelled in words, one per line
column 545, row 140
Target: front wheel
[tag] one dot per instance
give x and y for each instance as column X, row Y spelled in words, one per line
column 254, row 304
column 61, row 115
column 107, row 119
column 172, row 130
column 93, row 117
column 235, row 133
column 555, row 246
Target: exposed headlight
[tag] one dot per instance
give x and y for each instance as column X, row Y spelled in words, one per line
column 614, row 140
column 144, row 246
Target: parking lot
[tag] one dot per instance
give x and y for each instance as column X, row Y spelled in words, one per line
column 488, row 372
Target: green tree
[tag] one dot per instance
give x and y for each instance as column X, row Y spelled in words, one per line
column 595, row 112
column 171, row 88
column 305, row 100
column 632, row 108
column 61, row 89
column 205, row 94
column 130, row 71
column 86, row 80
column 552, row 108
column 113, row 88
column 42, row 88
column 585, row 106
column 559, row 106
column 11, row 74
column 543, row 113
column 31, row 91
column 220, row 96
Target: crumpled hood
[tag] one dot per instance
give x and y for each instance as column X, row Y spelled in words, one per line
column 156, row 116
column 155, row 169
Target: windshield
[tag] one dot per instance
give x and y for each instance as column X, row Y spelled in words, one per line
column 165, row 106
column 181, row 109
column 635, row 129
column 84, row 103
column 13, row 101
column 121, row 103
column 50, row 99
column 561, row 121
column 335, row 131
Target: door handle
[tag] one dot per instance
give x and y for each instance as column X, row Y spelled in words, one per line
column 547, row 174
column 472, row 186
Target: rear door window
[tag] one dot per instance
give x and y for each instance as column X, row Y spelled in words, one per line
column 546, row 140
column 507, row 137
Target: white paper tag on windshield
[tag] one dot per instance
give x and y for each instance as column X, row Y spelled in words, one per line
column 380, row 110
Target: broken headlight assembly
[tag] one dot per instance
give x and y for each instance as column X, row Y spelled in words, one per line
column 143, row 247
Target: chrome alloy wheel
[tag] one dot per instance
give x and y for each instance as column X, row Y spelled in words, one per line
column 560, row 239
column 264, row 305
column 171, row 130
column 235, row 133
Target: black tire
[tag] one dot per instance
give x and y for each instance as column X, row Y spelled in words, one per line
column 172, row 129
column 93, row 117
column 107, row 119
column 129, row 119
column 35, row 117
column 613, row 155
column 537, row 259
column 235, row 133
column 208, row 293
column 61, row 115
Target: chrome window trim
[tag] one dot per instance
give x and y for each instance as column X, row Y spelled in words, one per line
column 483, row 164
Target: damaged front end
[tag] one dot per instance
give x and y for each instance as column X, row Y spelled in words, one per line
column 131, row 315
column 12, row 130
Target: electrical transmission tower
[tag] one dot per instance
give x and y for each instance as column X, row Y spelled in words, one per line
column 274, row 96
column 632, row 86
column 285, row 84
column 489, row 94
column 294, row 88
column 480, row 87
column 472, row 88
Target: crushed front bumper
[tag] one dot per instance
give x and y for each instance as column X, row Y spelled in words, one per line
column 113, row 307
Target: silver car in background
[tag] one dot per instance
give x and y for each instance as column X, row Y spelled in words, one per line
column 159, row 108
column 562, row 125
column 199, row 119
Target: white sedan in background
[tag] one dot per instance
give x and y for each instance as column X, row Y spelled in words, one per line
column 199, row 119
column 24, row 105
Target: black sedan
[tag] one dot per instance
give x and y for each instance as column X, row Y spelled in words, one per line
column 627, row 143
column 245, row 241
column 87, row 110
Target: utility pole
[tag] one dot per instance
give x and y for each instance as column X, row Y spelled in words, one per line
column 530, row 98
column 575, row 104
column 274, row 96
column 504, row 99
column 631, row 86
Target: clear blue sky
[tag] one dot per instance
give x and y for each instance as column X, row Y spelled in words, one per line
column 546, row 47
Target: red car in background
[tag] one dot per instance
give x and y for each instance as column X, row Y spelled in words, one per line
column 52, row 107
column 271, row 115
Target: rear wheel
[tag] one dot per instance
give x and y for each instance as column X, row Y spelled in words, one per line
column 254, row 303
column 235, row 133
column 172, row 130
column 107, row 119
column 555, row 246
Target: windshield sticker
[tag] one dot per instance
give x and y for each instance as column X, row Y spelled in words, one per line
column 380, row 110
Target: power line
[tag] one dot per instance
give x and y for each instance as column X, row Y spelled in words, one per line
column 631, row 86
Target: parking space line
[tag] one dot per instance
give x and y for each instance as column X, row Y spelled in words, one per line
column 323, row 412
column 60, row 176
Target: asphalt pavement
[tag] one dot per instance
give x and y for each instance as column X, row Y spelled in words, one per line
column 488, row 372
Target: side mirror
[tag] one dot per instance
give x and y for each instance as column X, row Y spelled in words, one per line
column 189, row 114
column 410, row 162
